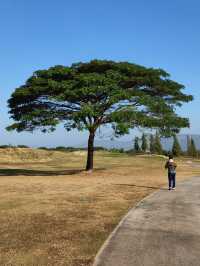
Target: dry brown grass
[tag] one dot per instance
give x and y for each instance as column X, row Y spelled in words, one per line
column 53, row 214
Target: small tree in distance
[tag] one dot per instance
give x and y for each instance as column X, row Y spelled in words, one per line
column 188, row 145
column 85, row 96
column 193, row 148
column 176, row 148
column 157, row 144
column 136, row 145
column 144, row 145
column 152, row 144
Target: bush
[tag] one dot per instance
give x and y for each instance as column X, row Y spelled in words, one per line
column 22, row 146
column 114, row 150
column 4, row 146
column 99, row 148
column 43, row 148
column 7, row 146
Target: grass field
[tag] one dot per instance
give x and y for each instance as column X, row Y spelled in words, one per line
column 53, row 213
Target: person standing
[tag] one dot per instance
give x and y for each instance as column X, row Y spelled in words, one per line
column 171, row 166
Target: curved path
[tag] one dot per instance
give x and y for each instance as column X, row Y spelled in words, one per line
column 162, row 230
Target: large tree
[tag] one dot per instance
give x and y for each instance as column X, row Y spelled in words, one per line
column 88, row 95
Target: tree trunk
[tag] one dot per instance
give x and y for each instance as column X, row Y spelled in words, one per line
column 90, row 153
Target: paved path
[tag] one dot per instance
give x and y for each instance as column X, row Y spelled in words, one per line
column 163, row 230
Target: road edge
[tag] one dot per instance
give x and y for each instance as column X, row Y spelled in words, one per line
column 99, row 254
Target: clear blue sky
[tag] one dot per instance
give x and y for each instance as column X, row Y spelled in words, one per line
column 38, row 34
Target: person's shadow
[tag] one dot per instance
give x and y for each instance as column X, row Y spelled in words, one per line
column 139, row 186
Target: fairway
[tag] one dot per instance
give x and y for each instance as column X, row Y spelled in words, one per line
column 53, row 213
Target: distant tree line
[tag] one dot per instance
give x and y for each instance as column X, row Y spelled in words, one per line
column 13, row 146
column 152, row 144
column 146, row 144
column 191, row 150
column 66, row 149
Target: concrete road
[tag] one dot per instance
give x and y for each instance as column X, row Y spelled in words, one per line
column 163, row 230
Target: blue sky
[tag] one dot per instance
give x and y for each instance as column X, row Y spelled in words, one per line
column 39, row 34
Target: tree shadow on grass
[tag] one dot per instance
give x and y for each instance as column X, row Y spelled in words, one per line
column 31, row 172
column 134, row 185
column 28, row 172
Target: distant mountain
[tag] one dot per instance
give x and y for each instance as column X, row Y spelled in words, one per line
column 166, row 143
column 110, row 144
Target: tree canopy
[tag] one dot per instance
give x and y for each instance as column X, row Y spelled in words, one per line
column 88, row 95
